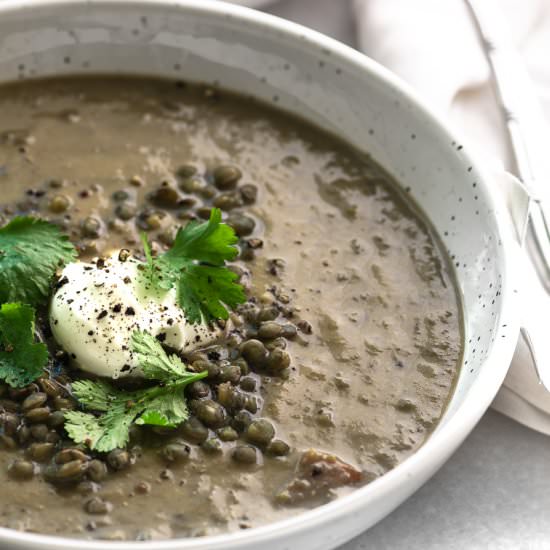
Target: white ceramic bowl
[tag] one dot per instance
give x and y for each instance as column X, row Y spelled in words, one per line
column 344, row 92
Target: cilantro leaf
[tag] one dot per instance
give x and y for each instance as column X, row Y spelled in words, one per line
column 160, row 405
column 108, row 431
column 195, row 265
column 85, row 428
column 31, row 250
column 21, row 359
column 155, row 363
column 149, row 260
column 95, row 395
column 154, row 418
column 104, row 433
column 209, row 242
column 168, row 409
column 203, row 290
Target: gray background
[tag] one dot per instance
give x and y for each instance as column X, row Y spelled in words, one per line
column 494, row 493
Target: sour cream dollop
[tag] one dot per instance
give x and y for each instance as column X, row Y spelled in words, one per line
column 99, row 305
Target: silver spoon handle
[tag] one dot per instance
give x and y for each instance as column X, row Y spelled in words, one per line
column 529, row 141
column 528, row 132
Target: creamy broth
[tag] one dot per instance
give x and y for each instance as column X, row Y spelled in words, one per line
column 342, row 249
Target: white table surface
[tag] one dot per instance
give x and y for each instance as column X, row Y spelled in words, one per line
column 494, row 493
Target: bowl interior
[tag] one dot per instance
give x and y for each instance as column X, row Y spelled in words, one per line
column 315, row 78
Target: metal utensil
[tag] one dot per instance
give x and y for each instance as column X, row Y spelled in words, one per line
column 529, row 140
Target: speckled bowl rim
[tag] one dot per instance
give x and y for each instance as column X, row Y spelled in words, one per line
column 426, row 460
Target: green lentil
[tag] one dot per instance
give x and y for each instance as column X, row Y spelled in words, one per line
column 97, row 470
column 243, row 365
column 228, row 433
column 153, row 221
column 9, row 405
column 325, row 418
column 251, row 404
column 242, row 225
column 202, row 365
column 165, row 196
column 56, row 419
column 247, row 253
column 241, row 421
column 62, row 403
column 33, row 401
column 245, row 454
column 186, row 171
column 279, row 342
column 193, row 429
column 126, row 211
column 269, row 330
column 65, row 473
column 59, row 204
column 226, row 177
column 137, row 181
column 49, row 387
column 228, row 201
column 18, row 394
column 120, row 195
column 118, row 459
column 176, row 452
column 269, row 313
column 289, row 331
column 39, row 432
column 260, row 431
column 56, row 184
column 96, row 505
column 203, row 212
column 248, row 383
column 41, row 452
column 277, row 447
column 229, row 397
column 208, row 192
column 23, row 435
column 9, row 423
column 278, row 360
column 21, row 469
column 212, row 446
column 254, row 352
column 168, row 236
column 7, row 442
column 38, row 414
column 52, row 437
column 69, row 454
column 230, row 373
column 211, row 413
column 91, row 228
column 192, row 184
column 198, row 389
column 249, row 193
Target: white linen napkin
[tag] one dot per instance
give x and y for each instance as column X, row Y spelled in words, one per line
column 433, row 45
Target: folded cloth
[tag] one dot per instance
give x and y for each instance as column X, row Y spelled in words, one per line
column 435, row 47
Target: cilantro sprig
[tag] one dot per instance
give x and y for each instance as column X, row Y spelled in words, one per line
column 31, row 250
column 116, row 410
column 195, row 266
column 21, row 359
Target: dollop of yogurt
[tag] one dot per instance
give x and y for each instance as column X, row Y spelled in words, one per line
column 99, row 305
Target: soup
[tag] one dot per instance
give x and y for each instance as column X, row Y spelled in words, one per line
column 336, row 367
